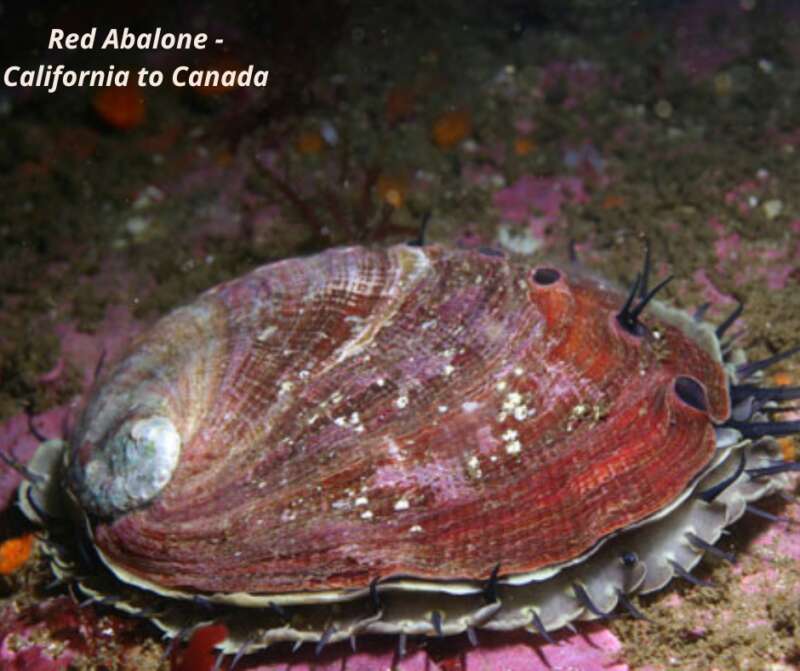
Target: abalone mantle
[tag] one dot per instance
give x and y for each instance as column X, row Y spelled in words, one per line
column 363, row 414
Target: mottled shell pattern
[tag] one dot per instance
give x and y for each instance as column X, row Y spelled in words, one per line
column 412, row 440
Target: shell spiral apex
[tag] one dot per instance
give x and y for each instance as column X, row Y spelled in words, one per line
column 135, row 466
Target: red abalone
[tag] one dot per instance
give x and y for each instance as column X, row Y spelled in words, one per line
column 411, row 440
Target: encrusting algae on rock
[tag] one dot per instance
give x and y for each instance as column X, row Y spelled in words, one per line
column 14, row 553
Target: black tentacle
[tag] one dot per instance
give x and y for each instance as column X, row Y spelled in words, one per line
column 628, row 316
column 748, row 369
column 572, row 251
column 99, row 367
column 57, row 582
column 586, row 601
column 21, row 468
column 324, row 639
column 174, row 641
column 402, row 645
column 241, row 652
column 700, row 312
column 627, row 604
column 49, row 520
column 726, row 346
column 419, row 241
column 683, row 573
column 700, row 544
column 203, row 603
column 33, row 428
column 374, row 595
column 740, row 392
column 536, row 621
column 490, row 589
column 708, row 495
column 728, row 321
column 645, row 270
column 761, row 429
column 623, row 316
column 649, row 296
column 765, row 514
column 436, row 621
column 774, row 468
column 778, row 409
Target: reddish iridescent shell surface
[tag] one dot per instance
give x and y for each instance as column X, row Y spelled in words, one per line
column 363, row 414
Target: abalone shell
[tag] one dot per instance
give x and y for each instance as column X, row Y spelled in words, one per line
column 363, row 414
column 445, row 424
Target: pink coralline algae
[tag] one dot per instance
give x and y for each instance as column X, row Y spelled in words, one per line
column 778, row 267
column 710, row 290
column 728, row 247
column 56, row 633
column 538, row 201
column 80, row 351
column 745, row 196
column 18, row 442
column 26, row 656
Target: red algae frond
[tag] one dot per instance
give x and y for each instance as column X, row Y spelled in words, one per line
column 199, row 655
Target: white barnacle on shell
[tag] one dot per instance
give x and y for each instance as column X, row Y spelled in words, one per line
column 521, row 412
column 266, row 333
column 512, row 401
column 514, row 405
column 510, row 435
column 402, row 504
